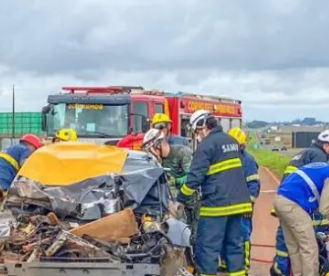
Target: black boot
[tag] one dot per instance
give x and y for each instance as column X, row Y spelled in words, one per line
column 273, row 273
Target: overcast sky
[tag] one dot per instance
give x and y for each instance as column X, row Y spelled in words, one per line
column 273, row 54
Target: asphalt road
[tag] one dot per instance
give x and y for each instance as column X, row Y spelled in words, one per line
column 264, row 225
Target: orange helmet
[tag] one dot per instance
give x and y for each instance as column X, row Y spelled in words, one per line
column 32, row 140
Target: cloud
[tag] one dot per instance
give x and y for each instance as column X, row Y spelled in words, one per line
column 271, row 54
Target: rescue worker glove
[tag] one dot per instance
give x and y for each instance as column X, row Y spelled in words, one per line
column 180, row 181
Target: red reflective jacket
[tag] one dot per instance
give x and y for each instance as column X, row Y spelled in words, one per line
column 132, row 141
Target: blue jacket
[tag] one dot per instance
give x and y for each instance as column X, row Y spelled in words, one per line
column 217, row 169
column 11, row 161
column 177, row 140
column 314, row 153
column 250, row 167
column 305, row 185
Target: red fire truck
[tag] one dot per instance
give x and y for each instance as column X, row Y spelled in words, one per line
column 107, row 114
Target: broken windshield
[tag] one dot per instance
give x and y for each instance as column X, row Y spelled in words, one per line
column 89, row 120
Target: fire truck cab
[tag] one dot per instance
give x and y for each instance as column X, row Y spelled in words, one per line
column 101, row 114
column 107, row 114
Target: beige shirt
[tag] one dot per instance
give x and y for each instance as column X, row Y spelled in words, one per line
column 324, row 200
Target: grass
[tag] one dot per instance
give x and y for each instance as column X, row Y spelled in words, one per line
column 275, row 161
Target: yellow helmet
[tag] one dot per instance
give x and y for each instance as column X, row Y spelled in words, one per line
column 67, row 134
column 239, row 135
column 160, row 118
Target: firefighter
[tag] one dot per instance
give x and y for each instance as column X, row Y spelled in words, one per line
column 217, row 169
column 318, row 152
column 12, row 159
column 175, row 157
column 297, row 199
column 162, row 121
column 250, row 167
column 65, row 135
column 178, row 159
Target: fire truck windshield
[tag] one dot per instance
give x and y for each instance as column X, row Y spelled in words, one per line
column 89, row 120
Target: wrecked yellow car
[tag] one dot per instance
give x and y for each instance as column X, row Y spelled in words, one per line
column 84, row 208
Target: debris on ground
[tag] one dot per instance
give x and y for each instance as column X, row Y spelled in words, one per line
column 39, row 239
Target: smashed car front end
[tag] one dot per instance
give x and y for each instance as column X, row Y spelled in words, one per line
column 81, row 203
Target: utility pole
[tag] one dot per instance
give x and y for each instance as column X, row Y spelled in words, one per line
column 13, row 131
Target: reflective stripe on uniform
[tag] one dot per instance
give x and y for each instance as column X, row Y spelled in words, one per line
column 224, row 165
column 235, row 209
column 290, row 169
column 223, row 265
column 281, row 253
column 238, row 273
column 10, row 160
column 187, row 191
column 247, row 255
column 213, row 169
column 252, row 177
column 321, row 222
column 310, row 183
column 277, row 269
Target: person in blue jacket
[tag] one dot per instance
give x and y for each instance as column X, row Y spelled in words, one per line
column 318, row 152
column 300, row 195
column 12, row 159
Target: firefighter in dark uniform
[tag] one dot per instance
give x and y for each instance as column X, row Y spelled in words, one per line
column 250, row 167
column 318, row 152
column 217, row 169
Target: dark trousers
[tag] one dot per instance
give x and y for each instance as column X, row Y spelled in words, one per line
column 215, row 234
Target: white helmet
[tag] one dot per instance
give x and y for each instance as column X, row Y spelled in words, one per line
column 324, row 136
column 197, row 117
column 152, row 138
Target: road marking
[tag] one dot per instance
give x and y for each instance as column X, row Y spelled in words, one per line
column 268, row 191
column 272, row 175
